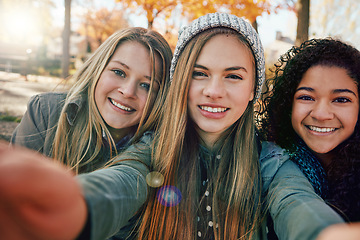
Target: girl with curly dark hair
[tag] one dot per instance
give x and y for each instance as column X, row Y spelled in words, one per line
column 311, row 108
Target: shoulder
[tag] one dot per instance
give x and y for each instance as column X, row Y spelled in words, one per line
column 272, row 157
column 147, row 137
column 49, row 97
column 47, row 102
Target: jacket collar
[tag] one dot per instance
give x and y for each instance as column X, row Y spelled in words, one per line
column 73, row 108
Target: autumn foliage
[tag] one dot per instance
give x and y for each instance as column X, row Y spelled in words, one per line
column 98, row 25
column 192, row 9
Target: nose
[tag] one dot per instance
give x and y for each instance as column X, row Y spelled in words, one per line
column 128, row 88
column 322, row 111
column 214, row 88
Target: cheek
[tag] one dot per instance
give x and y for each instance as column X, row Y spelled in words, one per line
column 97, row 93
column 240, row 96
column 351, row 119
column 297, row 115
column 101, row 86
column 294, row 122
column 192, row 95
column 142, row 99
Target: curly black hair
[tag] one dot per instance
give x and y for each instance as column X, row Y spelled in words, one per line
column 275, row 110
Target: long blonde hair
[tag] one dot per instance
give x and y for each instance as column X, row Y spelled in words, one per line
column 236, row 179
column 78, row 146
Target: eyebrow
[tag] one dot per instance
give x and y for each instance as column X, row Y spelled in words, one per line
column 127, row 67
column 306, row 89
column 345, row 90
column 226, row 69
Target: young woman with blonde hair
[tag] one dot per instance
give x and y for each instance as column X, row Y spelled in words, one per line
column 116, row 96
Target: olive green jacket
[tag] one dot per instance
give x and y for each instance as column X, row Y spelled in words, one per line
column 38, row 125
column 115, row 194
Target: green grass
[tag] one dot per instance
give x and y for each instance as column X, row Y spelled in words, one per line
column 8, row 118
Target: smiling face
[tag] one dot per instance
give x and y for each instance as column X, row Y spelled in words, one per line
column 123, row 88
column 221, row 87
column 325, row 108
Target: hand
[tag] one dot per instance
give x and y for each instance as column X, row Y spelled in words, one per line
column 341, row 231
column 39, row 199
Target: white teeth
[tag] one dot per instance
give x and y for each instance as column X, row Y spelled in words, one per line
column 214, row 110
column 322, row 130
column 120, row 106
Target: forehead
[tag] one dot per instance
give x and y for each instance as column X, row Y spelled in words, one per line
column 134, row 56
column 227, row 47
column 327, row 78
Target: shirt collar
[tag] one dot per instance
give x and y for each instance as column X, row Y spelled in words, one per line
column 121, row 144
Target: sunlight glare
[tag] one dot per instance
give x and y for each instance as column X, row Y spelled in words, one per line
column 21, row 25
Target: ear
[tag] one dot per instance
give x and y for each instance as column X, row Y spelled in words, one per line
column 251, row 96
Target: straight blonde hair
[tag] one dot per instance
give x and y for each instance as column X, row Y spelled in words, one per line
column 79, row 146
column 236, row 179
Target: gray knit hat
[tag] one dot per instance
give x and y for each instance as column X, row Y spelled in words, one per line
column 213, row 20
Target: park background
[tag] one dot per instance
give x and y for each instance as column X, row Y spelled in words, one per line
column 42, row 42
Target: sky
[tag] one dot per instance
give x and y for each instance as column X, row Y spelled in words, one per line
column 284, row 21
column 337, row 18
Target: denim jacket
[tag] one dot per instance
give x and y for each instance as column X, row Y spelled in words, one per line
column 115, row 194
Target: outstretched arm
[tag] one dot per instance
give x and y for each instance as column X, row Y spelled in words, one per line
column 38, row 198
column 341, row 231
column 41, row 200
column 116, row 193
column 297, row 211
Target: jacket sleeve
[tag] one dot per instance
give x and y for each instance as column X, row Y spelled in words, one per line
column 297, row 211
column 116, row 193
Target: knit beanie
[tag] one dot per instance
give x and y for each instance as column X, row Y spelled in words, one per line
column 213, row 20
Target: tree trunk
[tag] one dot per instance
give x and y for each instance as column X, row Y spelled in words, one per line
column 66, row 40
column 303, row 12
column 255, row 25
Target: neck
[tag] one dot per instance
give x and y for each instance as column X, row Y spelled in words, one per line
column 208, row 140
column 325, row 159
column 118, row 134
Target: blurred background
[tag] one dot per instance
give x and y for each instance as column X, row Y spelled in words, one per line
column 42, row 42
column 53, row 37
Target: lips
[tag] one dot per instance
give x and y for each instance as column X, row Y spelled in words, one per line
column 122, row 107
column 321, row 129
column 213, row 109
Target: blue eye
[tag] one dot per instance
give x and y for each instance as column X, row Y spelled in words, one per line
column 146, row 86
column 342, row 100
column 198, row 74
column 120, row 73
column 233, row 76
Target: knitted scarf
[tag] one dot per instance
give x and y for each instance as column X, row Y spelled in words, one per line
column 311, row 168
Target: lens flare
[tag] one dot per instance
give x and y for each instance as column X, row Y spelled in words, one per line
column 169, row 196
column 154, row 179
